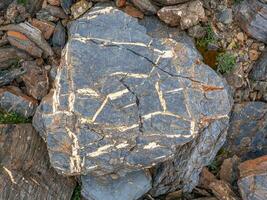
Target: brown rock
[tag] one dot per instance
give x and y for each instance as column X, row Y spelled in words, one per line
column 120, row 3
column 13, row 100
column 251, row 167
column 253, row 179
column 47, row 28
column 10, row 56
column 132, row 11
column 253, row 55
column 206, row 178
column 25, row 169
column 240, row 36
column 34, row 34
column 186, row 15
column 54, row 2
column 227, row 171
column 35, row 79
column 222, row 190
column 174, row 195
column 20, row 41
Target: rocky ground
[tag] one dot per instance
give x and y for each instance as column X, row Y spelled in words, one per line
column 138, row 99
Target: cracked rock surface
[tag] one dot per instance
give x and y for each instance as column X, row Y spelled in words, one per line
column 124, row 100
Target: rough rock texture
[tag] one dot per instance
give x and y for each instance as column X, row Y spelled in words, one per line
column 169, row 2
column 25, row 172
column 35, row 80
column 253, row 179
column 145, row 6
column 259, row 70
column 252, row 18
column 4, row 4
column 143, row 101
column 186, row 15
column 248, row 130
column 131, row 186
column 13, row 100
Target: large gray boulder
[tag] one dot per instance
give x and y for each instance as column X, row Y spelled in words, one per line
column 125, row 101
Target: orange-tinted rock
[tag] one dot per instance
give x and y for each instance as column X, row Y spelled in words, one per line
column 253, row 179
column 46, row 27
column 228, row 171
column 252, row 167
column 54, row 2
column 20, row 41
column 132, row 11
column 120, row 3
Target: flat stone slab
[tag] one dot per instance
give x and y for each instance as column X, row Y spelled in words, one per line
column 124, row 100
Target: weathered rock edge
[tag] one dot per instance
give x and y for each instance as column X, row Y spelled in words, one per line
column 25, row 171
column 143, row 70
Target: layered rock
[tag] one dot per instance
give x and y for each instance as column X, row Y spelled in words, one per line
column 253, row 179
column 25, row 170
column 252, row 18
column 125, row 101
column 248, row 130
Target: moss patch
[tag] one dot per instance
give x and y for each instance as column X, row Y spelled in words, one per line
column 226, row 62
column 12, row 118
column 76, row 193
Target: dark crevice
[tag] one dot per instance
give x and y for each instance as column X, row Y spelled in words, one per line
column 137, row 104
column 149, row 60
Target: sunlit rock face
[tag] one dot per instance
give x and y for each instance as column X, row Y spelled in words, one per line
column 124, row 100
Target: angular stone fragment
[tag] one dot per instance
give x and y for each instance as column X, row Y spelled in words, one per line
column 33, row 5
column 56, row 11
column 80, row 8
column 252, row 18
column 145, row 6
column 13, row 100
column 25, row 171
column 10, row 56
column 66, row 4
column 20, row 41
column 34, row 34
column 6, row 77
column 253, row 179
column 186, row 15
column 59, row 36
column 35, row 79
column 259, row 70
column 248, row 130
column 144, row 101
column 132, row 186
column 46, row 27
column 169, row 2
column 222, row 190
